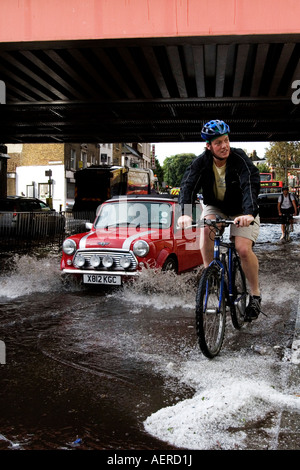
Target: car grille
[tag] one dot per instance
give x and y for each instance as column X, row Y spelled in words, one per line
column 116, row 255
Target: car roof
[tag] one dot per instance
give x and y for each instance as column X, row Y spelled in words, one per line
column 145, row 197
column 269, row 194
column 23, row 197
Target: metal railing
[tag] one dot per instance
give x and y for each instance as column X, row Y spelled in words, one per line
column 19, row 231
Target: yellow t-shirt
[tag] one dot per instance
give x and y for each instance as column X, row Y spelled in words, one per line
column 220, row 183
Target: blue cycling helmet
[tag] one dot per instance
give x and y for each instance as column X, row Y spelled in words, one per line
column 213, row 129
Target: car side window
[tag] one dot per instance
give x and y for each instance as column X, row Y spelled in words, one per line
column 24, row 206
column 33, row 206
column 165, row 215
column 43, row 206
column 161, row 215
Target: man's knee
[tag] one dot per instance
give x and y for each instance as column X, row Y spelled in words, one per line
column 244, row 248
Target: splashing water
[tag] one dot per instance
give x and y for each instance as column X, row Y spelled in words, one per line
column 28, row 275
column 162, row 290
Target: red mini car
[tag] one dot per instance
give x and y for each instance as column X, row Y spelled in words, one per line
column 130, row 233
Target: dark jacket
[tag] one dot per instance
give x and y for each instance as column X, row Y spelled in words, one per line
column 242, row 184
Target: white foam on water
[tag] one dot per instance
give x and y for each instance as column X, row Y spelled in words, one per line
column 30, row 275
column 230, row 392
column 162, row 290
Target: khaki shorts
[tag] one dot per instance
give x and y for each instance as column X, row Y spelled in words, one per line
column 250, row 232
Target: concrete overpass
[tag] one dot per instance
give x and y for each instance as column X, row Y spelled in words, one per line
column 148, row 70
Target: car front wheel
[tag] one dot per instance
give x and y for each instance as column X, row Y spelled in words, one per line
column 170, row 265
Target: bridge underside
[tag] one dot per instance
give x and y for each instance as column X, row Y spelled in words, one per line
column 150, row 90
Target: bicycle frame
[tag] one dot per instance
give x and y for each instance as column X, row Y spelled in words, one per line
column 224, row 269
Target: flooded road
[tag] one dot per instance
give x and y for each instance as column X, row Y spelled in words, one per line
column 97, row 369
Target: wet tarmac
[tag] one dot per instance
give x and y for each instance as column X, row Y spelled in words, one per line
column 84, row 369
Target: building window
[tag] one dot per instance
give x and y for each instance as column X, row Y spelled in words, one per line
column 103, row 158
column 83, row 159
column 73, row 160
column 70, row 190
column 43, row 190
column 30, row 190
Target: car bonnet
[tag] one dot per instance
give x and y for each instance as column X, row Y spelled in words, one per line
column 121, row 238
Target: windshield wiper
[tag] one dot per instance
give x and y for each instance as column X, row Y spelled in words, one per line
column 117, row 224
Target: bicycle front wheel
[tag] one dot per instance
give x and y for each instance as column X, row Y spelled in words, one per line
column 210, row 312
column 239, row 287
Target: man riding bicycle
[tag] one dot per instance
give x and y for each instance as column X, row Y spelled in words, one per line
column 286, row 207
column 230, row 184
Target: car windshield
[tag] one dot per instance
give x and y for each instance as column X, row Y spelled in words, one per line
column 42, row 206
column 135, row 214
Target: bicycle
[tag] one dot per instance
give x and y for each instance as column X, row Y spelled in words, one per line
column 222, row 284
column 286, row 221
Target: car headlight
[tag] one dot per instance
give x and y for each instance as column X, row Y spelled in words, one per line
column 69, row 246
column 79, row 261
column 107, row 261
column 95, row 261
column 125, row 262
column 141, row 248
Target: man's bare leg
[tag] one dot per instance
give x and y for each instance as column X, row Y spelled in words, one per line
column 207, row 242
column 249, row 262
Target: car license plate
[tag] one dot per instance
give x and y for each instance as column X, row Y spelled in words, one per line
column 102, row 279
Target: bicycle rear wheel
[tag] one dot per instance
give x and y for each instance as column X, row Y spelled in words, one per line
column 238, row 306
column 210, row 312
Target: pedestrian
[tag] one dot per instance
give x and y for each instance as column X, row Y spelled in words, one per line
column 286, row 206
column 230, row 185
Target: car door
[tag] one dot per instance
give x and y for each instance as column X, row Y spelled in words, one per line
column 188, row 244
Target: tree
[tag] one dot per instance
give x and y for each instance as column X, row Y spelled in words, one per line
column 158, row 171
column 263, row 168
column 175, row 166
column 283, row 157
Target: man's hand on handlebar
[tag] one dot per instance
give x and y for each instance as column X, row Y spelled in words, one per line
column 244, row 220
column 184, row 221
column 241, row 221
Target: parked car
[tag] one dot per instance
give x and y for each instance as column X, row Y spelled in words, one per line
column 130, row 233
column 29, row 216
column 268, row 207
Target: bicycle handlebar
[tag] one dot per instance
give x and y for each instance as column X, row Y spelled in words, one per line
column 217, row 221
column 212, row 222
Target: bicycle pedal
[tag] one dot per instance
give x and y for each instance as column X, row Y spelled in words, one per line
column 264, row 313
